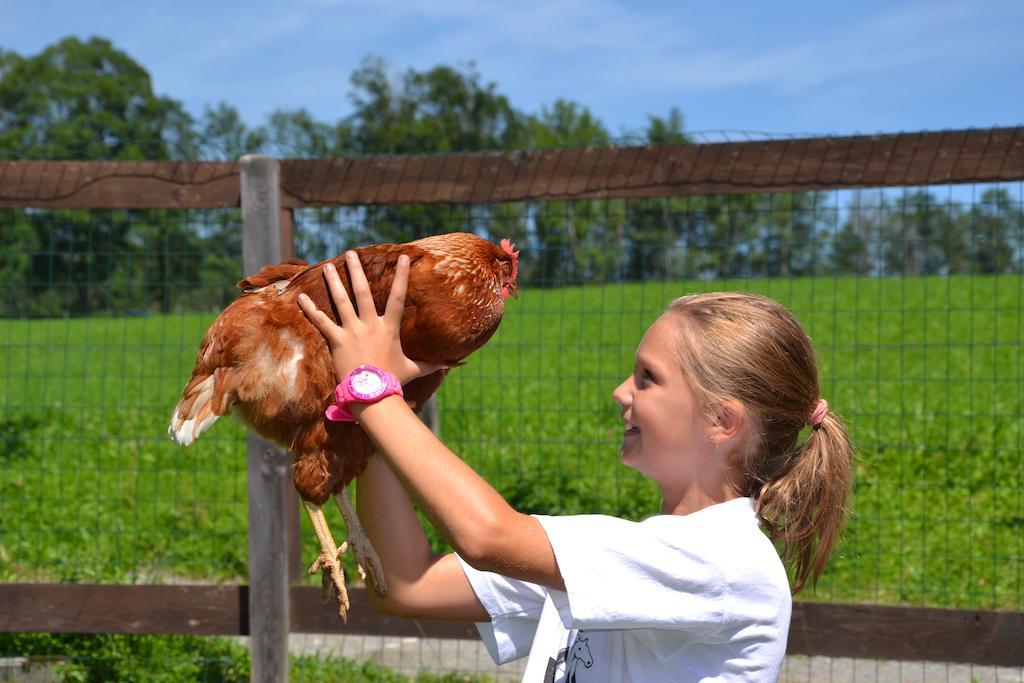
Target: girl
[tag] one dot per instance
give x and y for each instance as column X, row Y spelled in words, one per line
column 722, row 387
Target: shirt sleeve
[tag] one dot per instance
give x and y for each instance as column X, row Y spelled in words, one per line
column 621, row 574
column 514, row 607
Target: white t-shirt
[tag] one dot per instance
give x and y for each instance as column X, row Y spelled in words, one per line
column 697, row 597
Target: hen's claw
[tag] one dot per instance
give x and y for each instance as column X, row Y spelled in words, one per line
column 328, row 564
column 333, row 576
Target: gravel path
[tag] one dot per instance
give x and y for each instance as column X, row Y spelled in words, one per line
column 410, row 655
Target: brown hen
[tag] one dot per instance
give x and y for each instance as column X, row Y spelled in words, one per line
column 265, row 361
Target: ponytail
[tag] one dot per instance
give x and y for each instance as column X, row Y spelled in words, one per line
column 804, row 507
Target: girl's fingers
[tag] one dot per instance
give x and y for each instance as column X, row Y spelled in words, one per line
column 319, row 319
column 346, row 314
column 360, row 288
column 399, row 286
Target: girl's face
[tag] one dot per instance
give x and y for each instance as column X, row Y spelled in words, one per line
column 666, row 432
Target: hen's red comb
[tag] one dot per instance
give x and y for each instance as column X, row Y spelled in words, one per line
column 507, row 246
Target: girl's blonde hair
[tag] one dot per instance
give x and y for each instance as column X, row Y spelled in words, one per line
column 749, row 348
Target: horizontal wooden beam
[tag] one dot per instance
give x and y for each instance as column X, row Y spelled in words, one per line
column 195, row 610
column 902, row 159
column 661, row 170
column 907, row 633
column 310, row 614
column 825, row 629
column 91, row 608
column 119, row 184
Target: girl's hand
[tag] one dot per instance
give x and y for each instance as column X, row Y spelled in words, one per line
column 366, row 338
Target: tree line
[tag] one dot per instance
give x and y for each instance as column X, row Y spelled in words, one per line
column 85, row 99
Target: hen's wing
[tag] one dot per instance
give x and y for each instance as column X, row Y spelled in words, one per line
column 209, row 391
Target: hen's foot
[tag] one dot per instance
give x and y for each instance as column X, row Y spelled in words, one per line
column 366, row 557
column 368, row 564
column 327, row 563
column 333, row 576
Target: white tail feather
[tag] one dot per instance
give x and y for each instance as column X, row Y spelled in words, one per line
column 184, row 429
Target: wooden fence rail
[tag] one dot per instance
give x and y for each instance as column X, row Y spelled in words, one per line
column 967, row 156
column 826, row 629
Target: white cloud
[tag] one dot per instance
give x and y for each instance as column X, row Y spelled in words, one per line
column 576, row 47
column 916, row 41
column 623, row 59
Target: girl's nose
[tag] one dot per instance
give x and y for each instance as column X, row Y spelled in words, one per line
column 622, row 394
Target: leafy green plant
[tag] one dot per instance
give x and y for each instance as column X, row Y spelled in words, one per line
column 108, row 658
column 181, row 659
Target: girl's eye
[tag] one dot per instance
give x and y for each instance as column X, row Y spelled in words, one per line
column 646, row 376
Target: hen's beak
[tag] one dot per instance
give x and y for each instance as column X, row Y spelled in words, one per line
column 510, row 289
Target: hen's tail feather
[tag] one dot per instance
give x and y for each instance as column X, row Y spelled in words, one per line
column 197, row 409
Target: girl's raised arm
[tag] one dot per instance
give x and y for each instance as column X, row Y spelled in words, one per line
column 420, row 583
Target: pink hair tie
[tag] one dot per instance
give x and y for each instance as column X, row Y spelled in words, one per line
column 818, row 414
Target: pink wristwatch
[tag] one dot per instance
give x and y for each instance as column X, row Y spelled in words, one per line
column 365, row 384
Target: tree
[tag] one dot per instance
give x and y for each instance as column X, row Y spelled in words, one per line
column 719, row 236
column 790, row 233
column 88, row 100
column 565, row 124
column 21, row 243
column 443, row 109
column 567, row 237
column 668, row 130
column 84, row 100
column 297, row 134
column 223, row 135
column 440, row 110
column 920, row 236
column 598, row 240
column 995, row 233
column 855, row 247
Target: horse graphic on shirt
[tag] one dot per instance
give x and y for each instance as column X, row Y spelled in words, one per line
column 578, row 654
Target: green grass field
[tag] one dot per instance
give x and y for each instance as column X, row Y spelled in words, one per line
column 107, row 658
column 927, row 371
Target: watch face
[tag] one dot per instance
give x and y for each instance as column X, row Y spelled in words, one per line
column 366, row 384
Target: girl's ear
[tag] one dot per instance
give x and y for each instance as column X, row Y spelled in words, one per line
column 729, row 422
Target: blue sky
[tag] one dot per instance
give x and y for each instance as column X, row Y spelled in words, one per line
column 779, row 67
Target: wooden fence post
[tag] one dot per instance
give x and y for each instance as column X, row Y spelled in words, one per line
column 296, row 571
column 269, row 467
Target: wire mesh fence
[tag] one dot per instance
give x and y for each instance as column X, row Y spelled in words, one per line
column 102, row 311
column 913, row 297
